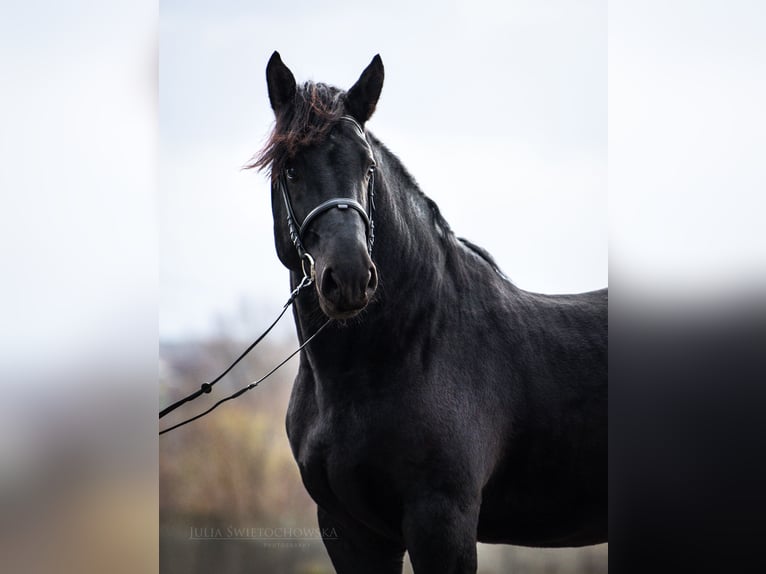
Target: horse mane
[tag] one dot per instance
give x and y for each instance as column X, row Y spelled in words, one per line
column 316, row 108
column 485, row 255
column 437, row 219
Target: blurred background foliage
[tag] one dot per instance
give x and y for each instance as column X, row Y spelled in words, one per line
column 234, row 469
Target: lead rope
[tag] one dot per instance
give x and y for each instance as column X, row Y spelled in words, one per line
column 308, row 279
column 243, row 390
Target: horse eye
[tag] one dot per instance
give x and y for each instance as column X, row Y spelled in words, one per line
column 371, row 169
column 290, row 173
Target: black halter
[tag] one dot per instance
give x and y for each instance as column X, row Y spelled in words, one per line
column 344, row 203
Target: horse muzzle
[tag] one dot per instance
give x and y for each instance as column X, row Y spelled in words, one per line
column 344, row 290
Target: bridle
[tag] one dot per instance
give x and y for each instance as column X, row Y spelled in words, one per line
column 298, row 231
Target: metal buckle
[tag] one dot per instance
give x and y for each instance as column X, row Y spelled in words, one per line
column 307, row 280
column 311, row 273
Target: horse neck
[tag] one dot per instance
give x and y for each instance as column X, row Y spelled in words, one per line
column 412, row 241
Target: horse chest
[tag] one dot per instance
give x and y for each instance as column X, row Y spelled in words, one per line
column 326, row 452
column 345, row 463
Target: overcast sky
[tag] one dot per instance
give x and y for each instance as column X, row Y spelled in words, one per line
column 499, row 110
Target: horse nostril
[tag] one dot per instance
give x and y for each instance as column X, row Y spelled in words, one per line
column 372, row 284
column 329, row 284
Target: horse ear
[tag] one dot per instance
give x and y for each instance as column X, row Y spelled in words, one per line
column 363, row 96
column 281, row 83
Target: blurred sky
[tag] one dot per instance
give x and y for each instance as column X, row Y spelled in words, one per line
column 687, row 142
column 78, row 243
column 499, row 110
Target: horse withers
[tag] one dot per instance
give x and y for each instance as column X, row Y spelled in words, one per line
column 442, row 405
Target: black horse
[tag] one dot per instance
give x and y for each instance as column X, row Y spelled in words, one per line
column 442, row 405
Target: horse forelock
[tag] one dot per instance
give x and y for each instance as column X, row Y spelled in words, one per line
column 315, row 110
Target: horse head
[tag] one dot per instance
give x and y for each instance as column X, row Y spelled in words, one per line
column 323, row 170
